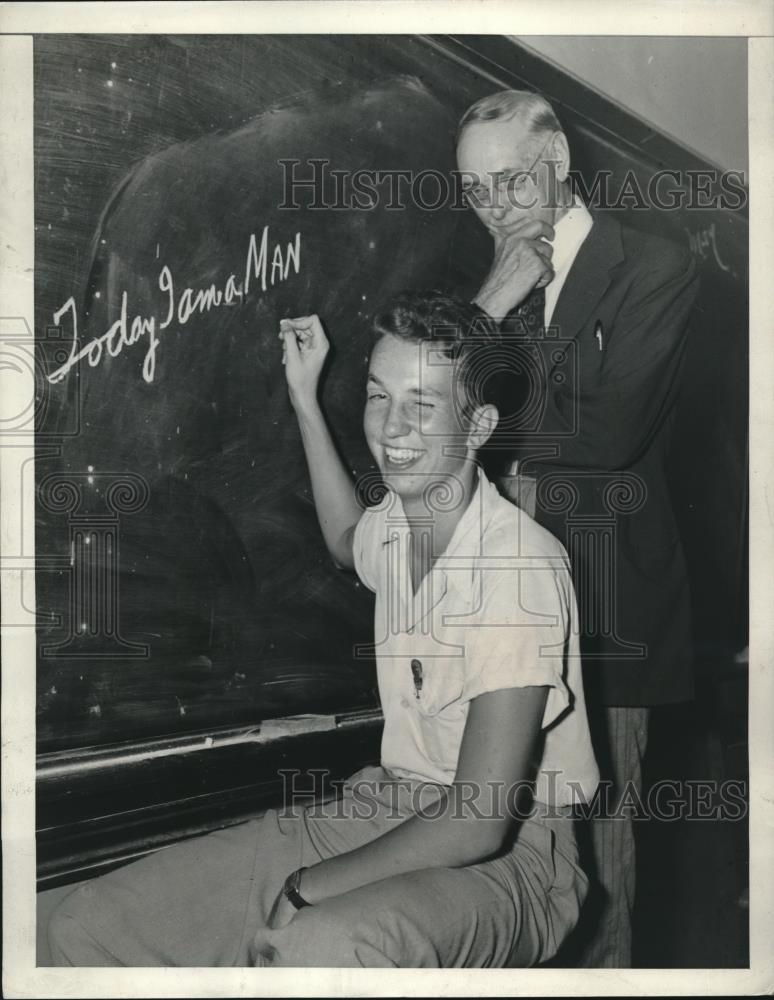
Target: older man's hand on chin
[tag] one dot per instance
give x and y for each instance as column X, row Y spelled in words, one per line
column 522, row 263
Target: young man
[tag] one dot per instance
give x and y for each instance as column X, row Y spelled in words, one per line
column 618, row 302
column 431, row 859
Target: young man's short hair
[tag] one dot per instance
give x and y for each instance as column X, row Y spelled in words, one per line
column 462, row 331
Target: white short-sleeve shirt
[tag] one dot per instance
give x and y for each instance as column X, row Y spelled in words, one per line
column 496, row 611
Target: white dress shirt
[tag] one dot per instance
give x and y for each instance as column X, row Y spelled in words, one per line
column 569, row 233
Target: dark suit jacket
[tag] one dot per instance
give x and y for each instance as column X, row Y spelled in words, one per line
column 608, row 393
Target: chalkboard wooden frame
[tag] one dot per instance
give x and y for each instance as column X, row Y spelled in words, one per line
column 165, row 790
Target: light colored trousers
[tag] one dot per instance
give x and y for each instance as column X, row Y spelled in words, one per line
column 201, row 902
column 612, row 839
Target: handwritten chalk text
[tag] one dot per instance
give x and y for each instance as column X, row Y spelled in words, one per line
column 179, row 306
column 704, row 241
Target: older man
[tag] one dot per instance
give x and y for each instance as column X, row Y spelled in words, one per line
column 617, row 303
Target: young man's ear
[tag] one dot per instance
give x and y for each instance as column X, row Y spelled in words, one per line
column 482, row 425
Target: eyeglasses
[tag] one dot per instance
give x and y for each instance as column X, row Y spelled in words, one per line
column 504, row 192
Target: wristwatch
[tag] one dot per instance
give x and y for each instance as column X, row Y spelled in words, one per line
column 290, row 889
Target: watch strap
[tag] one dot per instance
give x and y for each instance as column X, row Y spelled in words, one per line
column 290, row 889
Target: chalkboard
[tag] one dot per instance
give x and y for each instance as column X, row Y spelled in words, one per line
column 182, row 583
column 226, row 606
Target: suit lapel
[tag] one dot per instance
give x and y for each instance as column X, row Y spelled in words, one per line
column 589, row 276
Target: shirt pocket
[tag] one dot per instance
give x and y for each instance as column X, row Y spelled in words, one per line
column 441, row 714
column 442, row 680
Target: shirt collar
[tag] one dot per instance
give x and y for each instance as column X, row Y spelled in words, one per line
column 467, row 537
column 459, row 556
column 570, row 231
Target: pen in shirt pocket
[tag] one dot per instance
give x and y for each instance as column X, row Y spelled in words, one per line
column 416, row 670
column 599, row 334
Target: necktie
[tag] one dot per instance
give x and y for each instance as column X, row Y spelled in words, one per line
column 523, row 325
column 530, row 312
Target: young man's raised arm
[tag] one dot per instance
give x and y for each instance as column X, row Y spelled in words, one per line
column 305, row 350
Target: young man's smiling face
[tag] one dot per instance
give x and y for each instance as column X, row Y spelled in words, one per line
column 413, row 418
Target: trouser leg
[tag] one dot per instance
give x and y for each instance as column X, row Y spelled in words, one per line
column 198, row 903
column 435, row 918
column 508, row 912
column 613, row 842
column 185, row 905
column 204, row 903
